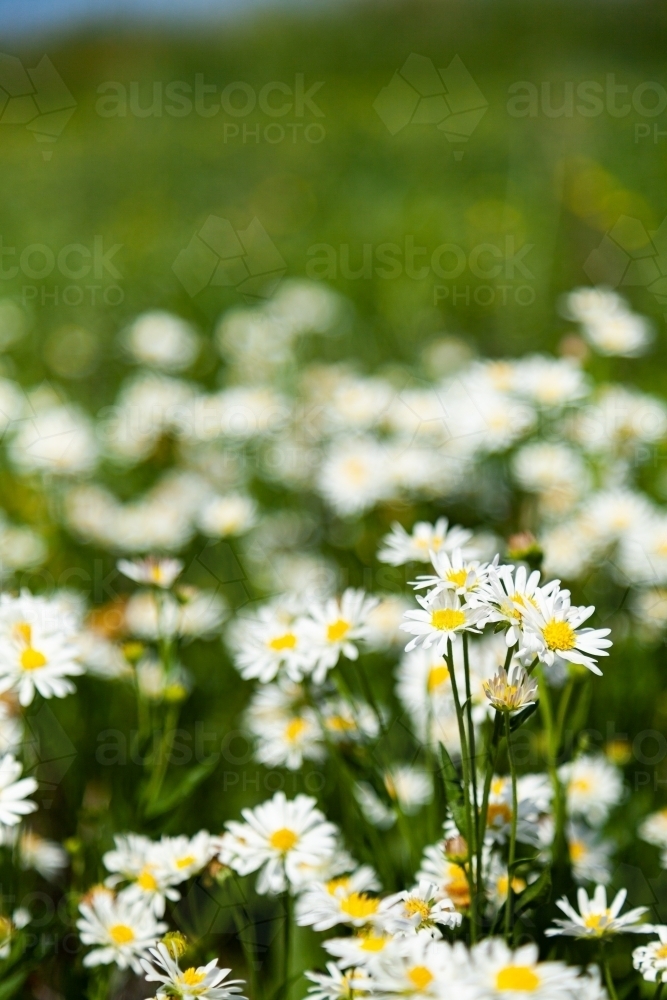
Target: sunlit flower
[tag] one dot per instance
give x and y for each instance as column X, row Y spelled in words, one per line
column 14, row 791
column 122, row 931
column 152, row 571
column 420, row 909
column 651, row 959
column 510, row 693
column 204, row 981
column 452, row 572
column 399, row 547
column 344, row 899
column 592, row 786
column 276, row 838
column 553, row 629
column 502, row 974
column 441, row 621
column 333, row 629
column 597, row 920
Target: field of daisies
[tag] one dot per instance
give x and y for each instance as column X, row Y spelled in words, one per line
column 309, row 682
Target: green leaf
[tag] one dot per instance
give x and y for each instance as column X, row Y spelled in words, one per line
column 11, row 985
column 534, row 894
column 453, row 789
column 518, row 720
column 177, row 794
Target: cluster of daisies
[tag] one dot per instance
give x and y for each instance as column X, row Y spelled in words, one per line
column 125, row 927
column 571, row 445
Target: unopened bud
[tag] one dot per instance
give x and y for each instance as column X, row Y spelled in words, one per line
column 525, row 547
column 175, row 943
column 456, row 849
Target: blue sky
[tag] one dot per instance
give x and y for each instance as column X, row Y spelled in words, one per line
column 35, row 17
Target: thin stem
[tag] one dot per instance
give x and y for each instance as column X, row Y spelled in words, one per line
column 471, row 734
column 515, row 810
column 607, row 975
column 559, row 844
column 488, row 778
column 465, row 762
column 287, row 944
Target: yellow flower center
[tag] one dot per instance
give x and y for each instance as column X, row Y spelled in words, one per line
column 191, row 977
column 517, row 977
column 338, row 630
column 420, row 976
column 121, row 934
column 337, row 883
column 32, row 659
column 518, row 885
column 661, row 952
column 281, row 642
column 597, row 921
column 373, row 942
column 294, row 729
column 359, row 906
column 147, row 881
column 458, row 576
column 446, row 619
column 580, row 785
column 185, row 862
column 559, row 635
column 437, row 676
column 283, row 839
column 414, row 906
column 499, row 810
column 577, row 850
column 339, row 724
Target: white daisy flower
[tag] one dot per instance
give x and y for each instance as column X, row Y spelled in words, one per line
column 589, row 855
column 359, row 951
column 593, row 787
column 122, row 931
column 272, row 641
column 510, row 693
column 38, row 651
column 418, row 967
column 623, row 334
column 496, row 882
column 449, row 878
column 654, row 831
column 408, row 786
column 341, row 900
column 651, row 959
column 553, row 629
column 205, row 981
column 161, row 340
column 135, row 860
column 276, row 838
column 222, row 516
column 440, row 621
column 333, row 629
column 332, row 985
column 14, row 791
column 452, row 572
column 152, row 570
column 420, row 909
column 288, row 741
column 550, row 382
column 597, row 920
column 506, row 590
column 354, row 475
column 180, row 858
column 400, row 548
column 502, row 974
column 534, row 799
column 44, row 856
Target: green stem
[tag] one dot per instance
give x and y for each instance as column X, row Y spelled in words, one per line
column 607, row 975
column 471, row 734
column 562, row 712
column 287, row 944
column 465, row 762
column 515, row 810
column 488, row 778
column 160, row 761
column 559, row 844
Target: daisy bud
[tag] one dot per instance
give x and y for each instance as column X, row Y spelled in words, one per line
column 133, row 651
column 456, row 849
column 176, row 943
column 525, row 547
